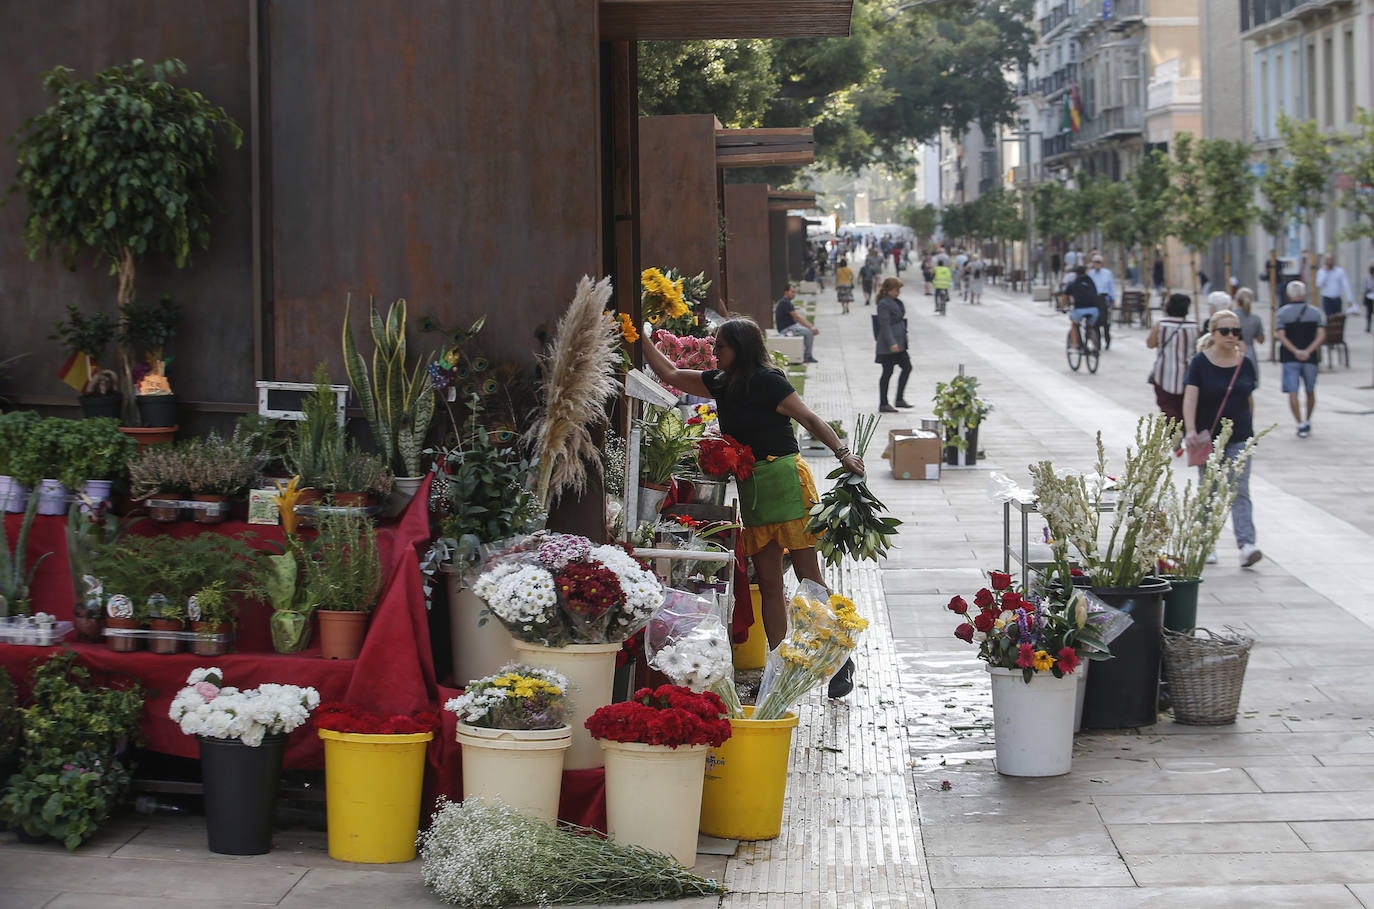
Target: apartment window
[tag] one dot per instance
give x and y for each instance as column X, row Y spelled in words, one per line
column 1294, row 76
column 1311, row 111
column 1266, row 123
column 1328, row 82
column 1348, row 67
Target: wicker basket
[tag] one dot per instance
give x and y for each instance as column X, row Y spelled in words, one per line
column 1205, row 675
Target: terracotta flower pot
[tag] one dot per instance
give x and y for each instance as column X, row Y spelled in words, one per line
column 351, row 499
column 204, row 645
column 150, row 435
column 308, row 497
column 216, row 516
column 89, row 623
column 167, row 644
column 341, row 633
column 118, row 643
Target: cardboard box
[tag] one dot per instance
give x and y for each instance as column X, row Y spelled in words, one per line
column 915, row 455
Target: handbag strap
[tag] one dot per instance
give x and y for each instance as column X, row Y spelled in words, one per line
column 1226, row 397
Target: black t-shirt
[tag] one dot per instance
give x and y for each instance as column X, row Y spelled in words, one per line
column 1211, row 381
column 752, row 417
column 782, row 315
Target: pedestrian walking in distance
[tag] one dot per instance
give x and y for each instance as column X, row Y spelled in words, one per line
column 1174, row 341
column 890, row 344
column 1333, row 286
column 1300, row 332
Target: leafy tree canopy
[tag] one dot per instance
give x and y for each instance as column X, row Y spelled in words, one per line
column 906, row 71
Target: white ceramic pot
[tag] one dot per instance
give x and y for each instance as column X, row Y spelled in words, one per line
column 14, row 496
column 96, row 491
column 590, row 670
column 478, row 650
column 521, row 767
column 653, row 796
column 403, row 489
column 52, row 497
column 1033, row 722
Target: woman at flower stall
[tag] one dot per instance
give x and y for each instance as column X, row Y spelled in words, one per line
column 756, row 405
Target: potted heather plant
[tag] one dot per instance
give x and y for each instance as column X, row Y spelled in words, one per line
column 160, row 474
column 216, row 470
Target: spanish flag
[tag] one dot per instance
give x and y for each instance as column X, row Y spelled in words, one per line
column 1074, row 105
column 77, row 371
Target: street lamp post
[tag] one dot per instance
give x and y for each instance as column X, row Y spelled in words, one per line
column 1025, row 134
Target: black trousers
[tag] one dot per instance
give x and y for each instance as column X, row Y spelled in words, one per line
column 889, row 362
column 1104, row 320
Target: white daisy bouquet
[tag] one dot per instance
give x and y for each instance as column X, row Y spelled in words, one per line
column 686, row 640
column 209, row 708
column 821, row 634
column 556, row 589
column 517, row 697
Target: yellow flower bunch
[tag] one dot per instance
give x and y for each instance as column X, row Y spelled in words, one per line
column 821, row 635
column 1043, row 661
column 286, row 499
column 662, row 296
column 627, row 328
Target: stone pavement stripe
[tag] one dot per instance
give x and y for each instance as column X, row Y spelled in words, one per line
column 1328, row 896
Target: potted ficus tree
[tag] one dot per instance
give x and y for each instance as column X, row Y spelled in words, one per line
column 123, row 165
column 961, row 411
column 86, row 338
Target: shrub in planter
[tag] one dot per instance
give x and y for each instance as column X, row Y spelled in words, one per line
column 959, row 408
column 97, row 450
column 213, row 615
column 70, row 776
column 15, row 427
column 352, row 476
column 343, row 578
column 47, row 447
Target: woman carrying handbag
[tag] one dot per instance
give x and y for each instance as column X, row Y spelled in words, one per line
column 1219, row 385
column 1174, row 340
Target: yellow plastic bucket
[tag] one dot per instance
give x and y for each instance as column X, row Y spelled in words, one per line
column 746, row 780
column 753, row 653
column 372, row 790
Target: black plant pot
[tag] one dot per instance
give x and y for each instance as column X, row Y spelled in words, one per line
column 952, row 451
column 157, row 410
column 240, row 793
column 1123, row 692
column 101, row 405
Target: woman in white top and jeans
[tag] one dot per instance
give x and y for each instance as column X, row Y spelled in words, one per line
column 1174, row 338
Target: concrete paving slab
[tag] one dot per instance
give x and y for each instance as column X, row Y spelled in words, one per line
column 148, row 878
column 1184, row 839
column 1247, row 869
column 1331, row 896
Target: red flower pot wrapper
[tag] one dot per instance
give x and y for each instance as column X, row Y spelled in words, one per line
column 687, row 641
column 822, row 633
column 517, row 697
column 667, row 715
column 558, row 589
column 337, row 716
column 1037, row 632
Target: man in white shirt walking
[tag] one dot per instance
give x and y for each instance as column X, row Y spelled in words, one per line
column 1333, row 286
column 1105, row 283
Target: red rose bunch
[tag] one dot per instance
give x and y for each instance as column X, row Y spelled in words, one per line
column 666, row 715
column 722, row 455
column 337, row 716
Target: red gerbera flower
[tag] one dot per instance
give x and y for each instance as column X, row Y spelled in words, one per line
column 1025, row 656
column 1068, row 660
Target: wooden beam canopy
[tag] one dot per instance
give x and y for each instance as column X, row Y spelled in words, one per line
column 785, row 200
column 667, row 20
column 765, row 147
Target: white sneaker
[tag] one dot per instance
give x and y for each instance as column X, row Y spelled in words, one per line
column 1212, row 557
column 1249, row 555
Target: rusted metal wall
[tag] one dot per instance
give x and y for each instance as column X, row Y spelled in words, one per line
column 679, row 214
column 214, row 349
column 445, row 153
column 746, row 227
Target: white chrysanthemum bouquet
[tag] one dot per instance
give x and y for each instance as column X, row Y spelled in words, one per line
column 209, row 708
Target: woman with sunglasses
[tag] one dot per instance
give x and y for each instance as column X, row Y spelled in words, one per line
column 1218, row 386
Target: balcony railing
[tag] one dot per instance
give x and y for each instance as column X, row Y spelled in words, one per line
column 1054, row 146
column 1112, row 13
column 1054, row 18
column 1257, row 13
column 1117, row 121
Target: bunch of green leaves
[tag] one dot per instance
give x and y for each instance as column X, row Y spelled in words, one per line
column 149, row 325
column 69, row 802
column 847, row 520
column 89, row 529
column 48, row 446
column 14, row 434
column 11, row 723
column 667, row 442
column 96, row 450
column 317, row 438
column 957, row 402
column 263, row 436
column 69, row 713
column 344, row 572
column 484, row 489
column 486, row 854
column 350, row 469
column 15, row 573
column 83, row 334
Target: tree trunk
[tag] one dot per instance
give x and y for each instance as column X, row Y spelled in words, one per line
column 1273, row 300
column 1197, row 291
column 125, row 296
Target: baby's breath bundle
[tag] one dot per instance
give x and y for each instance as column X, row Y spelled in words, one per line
column 486, row 854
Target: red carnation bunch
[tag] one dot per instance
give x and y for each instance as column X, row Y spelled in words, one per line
column 667, row 715
column 587, row 591
column 722, row 456
column 340, row 717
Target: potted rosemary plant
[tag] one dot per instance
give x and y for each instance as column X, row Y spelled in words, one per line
column 343, row 578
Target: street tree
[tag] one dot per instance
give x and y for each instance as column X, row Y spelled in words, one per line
column 1192, row 221
column 1356, row 157
column 1307, row 175
column 1151, row 203
column 1230, row 188
column 921, row 219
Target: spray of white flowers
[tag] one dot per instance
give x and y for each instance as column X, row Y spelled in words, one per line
column 1139, row 533
column 1199, row 515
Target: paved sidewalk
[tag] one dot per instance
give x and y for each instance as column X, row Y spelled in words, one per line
column 1277, row 810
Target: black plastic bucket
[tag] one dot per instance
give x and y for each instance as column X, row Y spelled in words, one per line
column 1123, row 692
column 240, row 792
column 157, row 410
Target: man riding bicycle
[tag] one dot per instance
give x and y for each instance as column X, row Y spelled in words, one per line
column 942, row 281
column 1083, row 292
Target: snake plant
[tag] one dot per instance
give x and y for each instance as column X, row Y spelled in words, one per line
column 398, row 407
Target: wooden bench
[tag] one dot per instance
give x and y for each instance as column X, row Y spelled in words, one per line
column 1133, row 303
column 1335, row 341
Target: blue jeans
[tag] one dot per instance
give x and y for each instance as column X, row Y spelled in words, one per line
column 807, row 335
column 1295, row 372
column 1242, row 512
column 1080, row 312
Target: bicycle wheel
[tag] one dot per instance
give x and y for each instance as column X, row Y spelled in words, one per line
column 1091, row 347
column 1073, row 351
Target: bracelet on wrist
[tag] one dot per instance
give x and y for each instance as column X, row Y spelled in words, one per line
column 841, row 453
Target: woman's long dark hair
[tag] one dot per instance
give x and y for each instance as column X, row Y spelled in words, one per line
column 745, row 338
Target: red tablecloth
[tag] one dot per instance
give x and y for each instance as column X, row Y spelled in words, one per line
column 393, row 674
